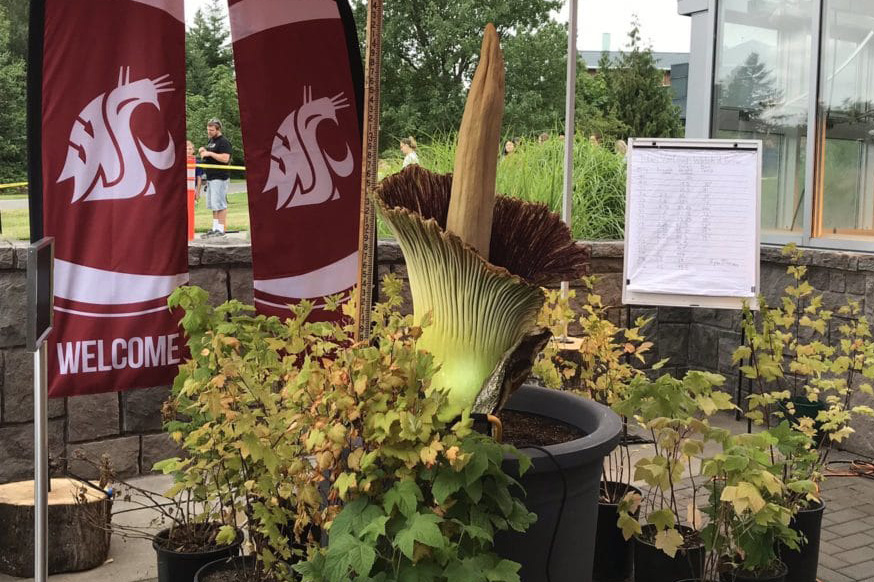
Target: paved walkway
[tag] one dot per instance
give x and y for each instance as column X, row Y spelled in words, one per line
column 846, row 549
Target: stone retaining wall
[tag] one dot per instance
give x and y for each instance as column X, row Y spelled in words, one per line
column 128, row 424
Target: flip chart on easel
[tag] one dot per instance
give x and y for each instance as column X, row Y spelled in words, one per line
column 692, row 223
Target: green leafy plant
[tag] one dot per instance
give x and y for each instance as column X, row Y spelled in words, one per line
column 674, row 413
column 749, row 511
column 800, row 353
column 599, row 365
column 316, row 432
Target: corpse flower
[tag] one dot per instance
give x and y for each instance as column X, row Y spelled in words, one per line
column 477, row 261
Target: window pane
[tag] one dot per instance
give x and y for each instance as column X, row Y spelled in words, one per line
column 762, row 78
column 846, row 132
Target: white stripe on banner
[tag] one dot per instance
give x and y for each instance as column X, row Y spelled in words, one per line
column 315, row 305
column 328, row 280
column 90, row 285
column 253, row 16
column 172, row 7
column 92, row 314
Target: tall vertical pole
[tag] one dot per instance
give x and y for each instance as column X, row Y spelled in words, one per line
column 570, row 102
column 369, row 167
column 41, row 464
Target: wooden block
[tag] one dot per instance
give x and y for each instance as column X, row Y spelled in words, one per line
column 78, row 530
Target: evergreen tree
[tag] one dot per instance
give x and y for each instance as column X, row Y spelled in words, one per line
column 211, row 84
column 210, row 37
column 750, row 87
column 13, row 99
column 636, row 95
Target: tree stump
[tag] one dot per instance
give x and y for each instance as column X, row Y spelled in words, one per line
column 78, row 529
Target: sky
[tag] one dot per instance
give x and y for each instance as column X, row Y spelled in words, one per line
column 661, row 26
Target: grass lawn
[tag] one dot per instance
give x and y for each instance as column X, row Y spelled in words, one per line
column 16, row 223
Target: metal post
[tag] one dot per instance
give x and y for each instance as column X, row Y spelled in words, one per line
column 570, row 102
column 41, row 464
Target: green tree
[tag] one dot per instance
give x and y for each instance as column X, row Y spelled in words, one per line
column 210, row 79
column 220, row 102
column 751, row 87
column 635, row 92
column 593, row 115
column 430, row 49
column 17, row 12
column 13, row 97
column 210, row 36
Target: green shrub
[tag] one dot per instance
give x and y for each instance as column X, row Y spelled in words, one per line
column 535, row 172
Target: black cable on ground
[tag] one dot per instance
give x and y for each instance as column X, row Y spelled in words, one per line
column 560, row 507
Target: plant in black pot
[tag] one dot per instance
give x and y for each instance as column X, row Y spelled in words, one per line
column 191, row 531
column 799, row 356
column 599, row 365
column 668, row 543
column 476, row 265
column 749, row 509
column 237, row 419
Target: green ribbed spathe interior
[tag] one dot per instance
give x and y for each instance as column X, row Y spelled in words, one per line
column 478, row 311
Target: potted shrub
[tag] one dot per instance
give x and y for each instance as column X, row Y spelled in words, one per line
column 598, row 365
column 800, row 355
column 192, row 533
column 342, row 436
column 478, row 289
column 749, row 509
column 235, row 416
column 668, row 542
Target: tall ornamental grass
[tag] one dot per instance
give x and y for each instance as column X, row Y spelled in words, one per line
column 535, row 172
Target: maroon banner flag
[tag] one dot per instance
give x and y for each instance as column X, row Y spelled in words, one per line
column 299, row 82
column 113, row 172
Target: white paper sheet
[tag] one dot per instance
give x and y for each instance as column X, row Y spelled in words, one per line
column 691, row 226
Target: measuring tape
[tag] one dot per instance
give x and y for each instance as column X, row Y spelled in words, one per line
column 370, row 167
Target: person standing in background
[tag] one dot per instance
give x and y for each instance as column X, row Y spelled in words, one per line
column 408, row 148
column 217, row 151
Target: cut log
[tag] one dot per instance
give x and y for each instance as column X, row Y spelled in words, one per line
column 78, row 530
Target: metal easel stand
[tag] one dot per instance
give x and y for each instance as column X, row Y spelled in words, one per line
column 739, row 394
column 630, row 439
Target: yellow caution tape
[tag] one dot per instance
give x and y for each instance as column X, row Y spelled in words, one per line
column 220, row 167
column 13, row 185
column 211, row 166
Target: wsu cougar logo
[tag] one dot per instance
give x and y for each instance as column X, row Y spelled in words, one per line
column 300, row 170
column 104, row 158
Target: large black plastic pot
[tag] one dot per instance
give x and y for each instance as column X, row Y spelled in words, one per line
column 561, row 488
column 182, row 566
column 803, row 563
column 741, row 576
column 653, row 565
column 614, row 555
column 233, row 564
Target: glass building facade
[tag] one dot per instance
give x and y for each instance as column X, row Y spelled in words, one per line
column 799, row 75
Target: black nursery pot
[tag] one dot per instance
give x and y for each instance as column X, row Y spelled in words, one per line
column 803, row 563
column 182, row 566
column 741, row 576
column 232, row 564
column 653, row 565
column 614, row 555
column 561, row 487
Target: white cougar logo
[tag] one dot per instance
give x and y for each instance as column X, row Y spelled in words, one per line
column 104, row 159
column 299, row 169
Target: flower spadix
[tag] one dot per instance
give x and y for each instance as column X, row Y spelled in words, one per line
column 476, row 284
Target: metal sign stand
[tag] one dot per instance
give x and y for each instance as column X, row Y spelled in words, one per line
column 40, row 293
